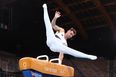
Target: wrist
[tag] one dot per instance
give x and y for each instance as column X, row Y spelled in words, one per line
column 56, row 17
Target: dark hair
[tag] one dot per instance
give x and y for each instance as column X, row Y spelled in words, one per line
column 74, row 30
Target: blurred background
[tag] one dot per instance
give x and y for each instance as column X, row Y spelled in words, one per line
column 22, row 33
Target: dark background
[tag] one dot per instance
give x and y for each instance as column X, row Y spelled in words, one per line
column 22, row 30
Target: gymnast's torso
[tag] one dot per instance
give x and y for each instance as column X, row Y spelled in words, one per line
column 60, row 36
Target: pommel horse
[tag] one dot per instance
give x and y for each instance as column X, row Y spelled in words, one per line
column 37, row 67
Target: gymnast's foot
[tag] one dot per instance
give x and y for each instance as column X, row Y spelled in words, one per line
column 44, row 5
column 92, row 57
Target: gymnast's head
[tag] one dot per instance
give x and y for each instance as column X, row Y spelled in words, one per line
column 70, row 33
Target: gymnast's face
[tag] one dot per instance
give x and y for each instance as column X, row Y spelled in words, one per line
column 69, row 34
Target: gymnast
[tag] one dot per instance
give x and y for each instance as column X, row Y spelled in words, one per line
column 57, row 42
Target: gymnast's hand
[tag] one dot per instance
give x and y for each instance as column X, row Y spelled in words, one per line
column 44, row 5
column 57, row 14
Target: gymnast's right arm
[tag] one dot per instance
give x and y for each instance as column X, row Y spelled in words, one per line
column 54, row 26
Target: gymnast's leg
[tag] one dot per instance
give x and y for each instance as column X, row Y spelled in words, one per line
column 49, row 31
column 55, row 45
column 58, row 47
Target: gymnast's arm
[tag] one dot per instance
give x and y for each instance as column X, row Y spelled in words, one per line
column 57, row 28
column 54, row 26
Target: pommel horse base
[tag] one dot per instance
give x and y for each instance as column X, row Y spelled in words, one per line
column 38, row 68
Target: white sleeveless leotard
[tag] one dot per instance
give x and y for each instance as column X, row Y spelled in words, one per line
column 60, row 36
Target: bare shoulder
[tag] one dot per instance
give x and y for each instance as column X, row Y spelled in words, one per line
column 61, row 29
column 57, row 28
